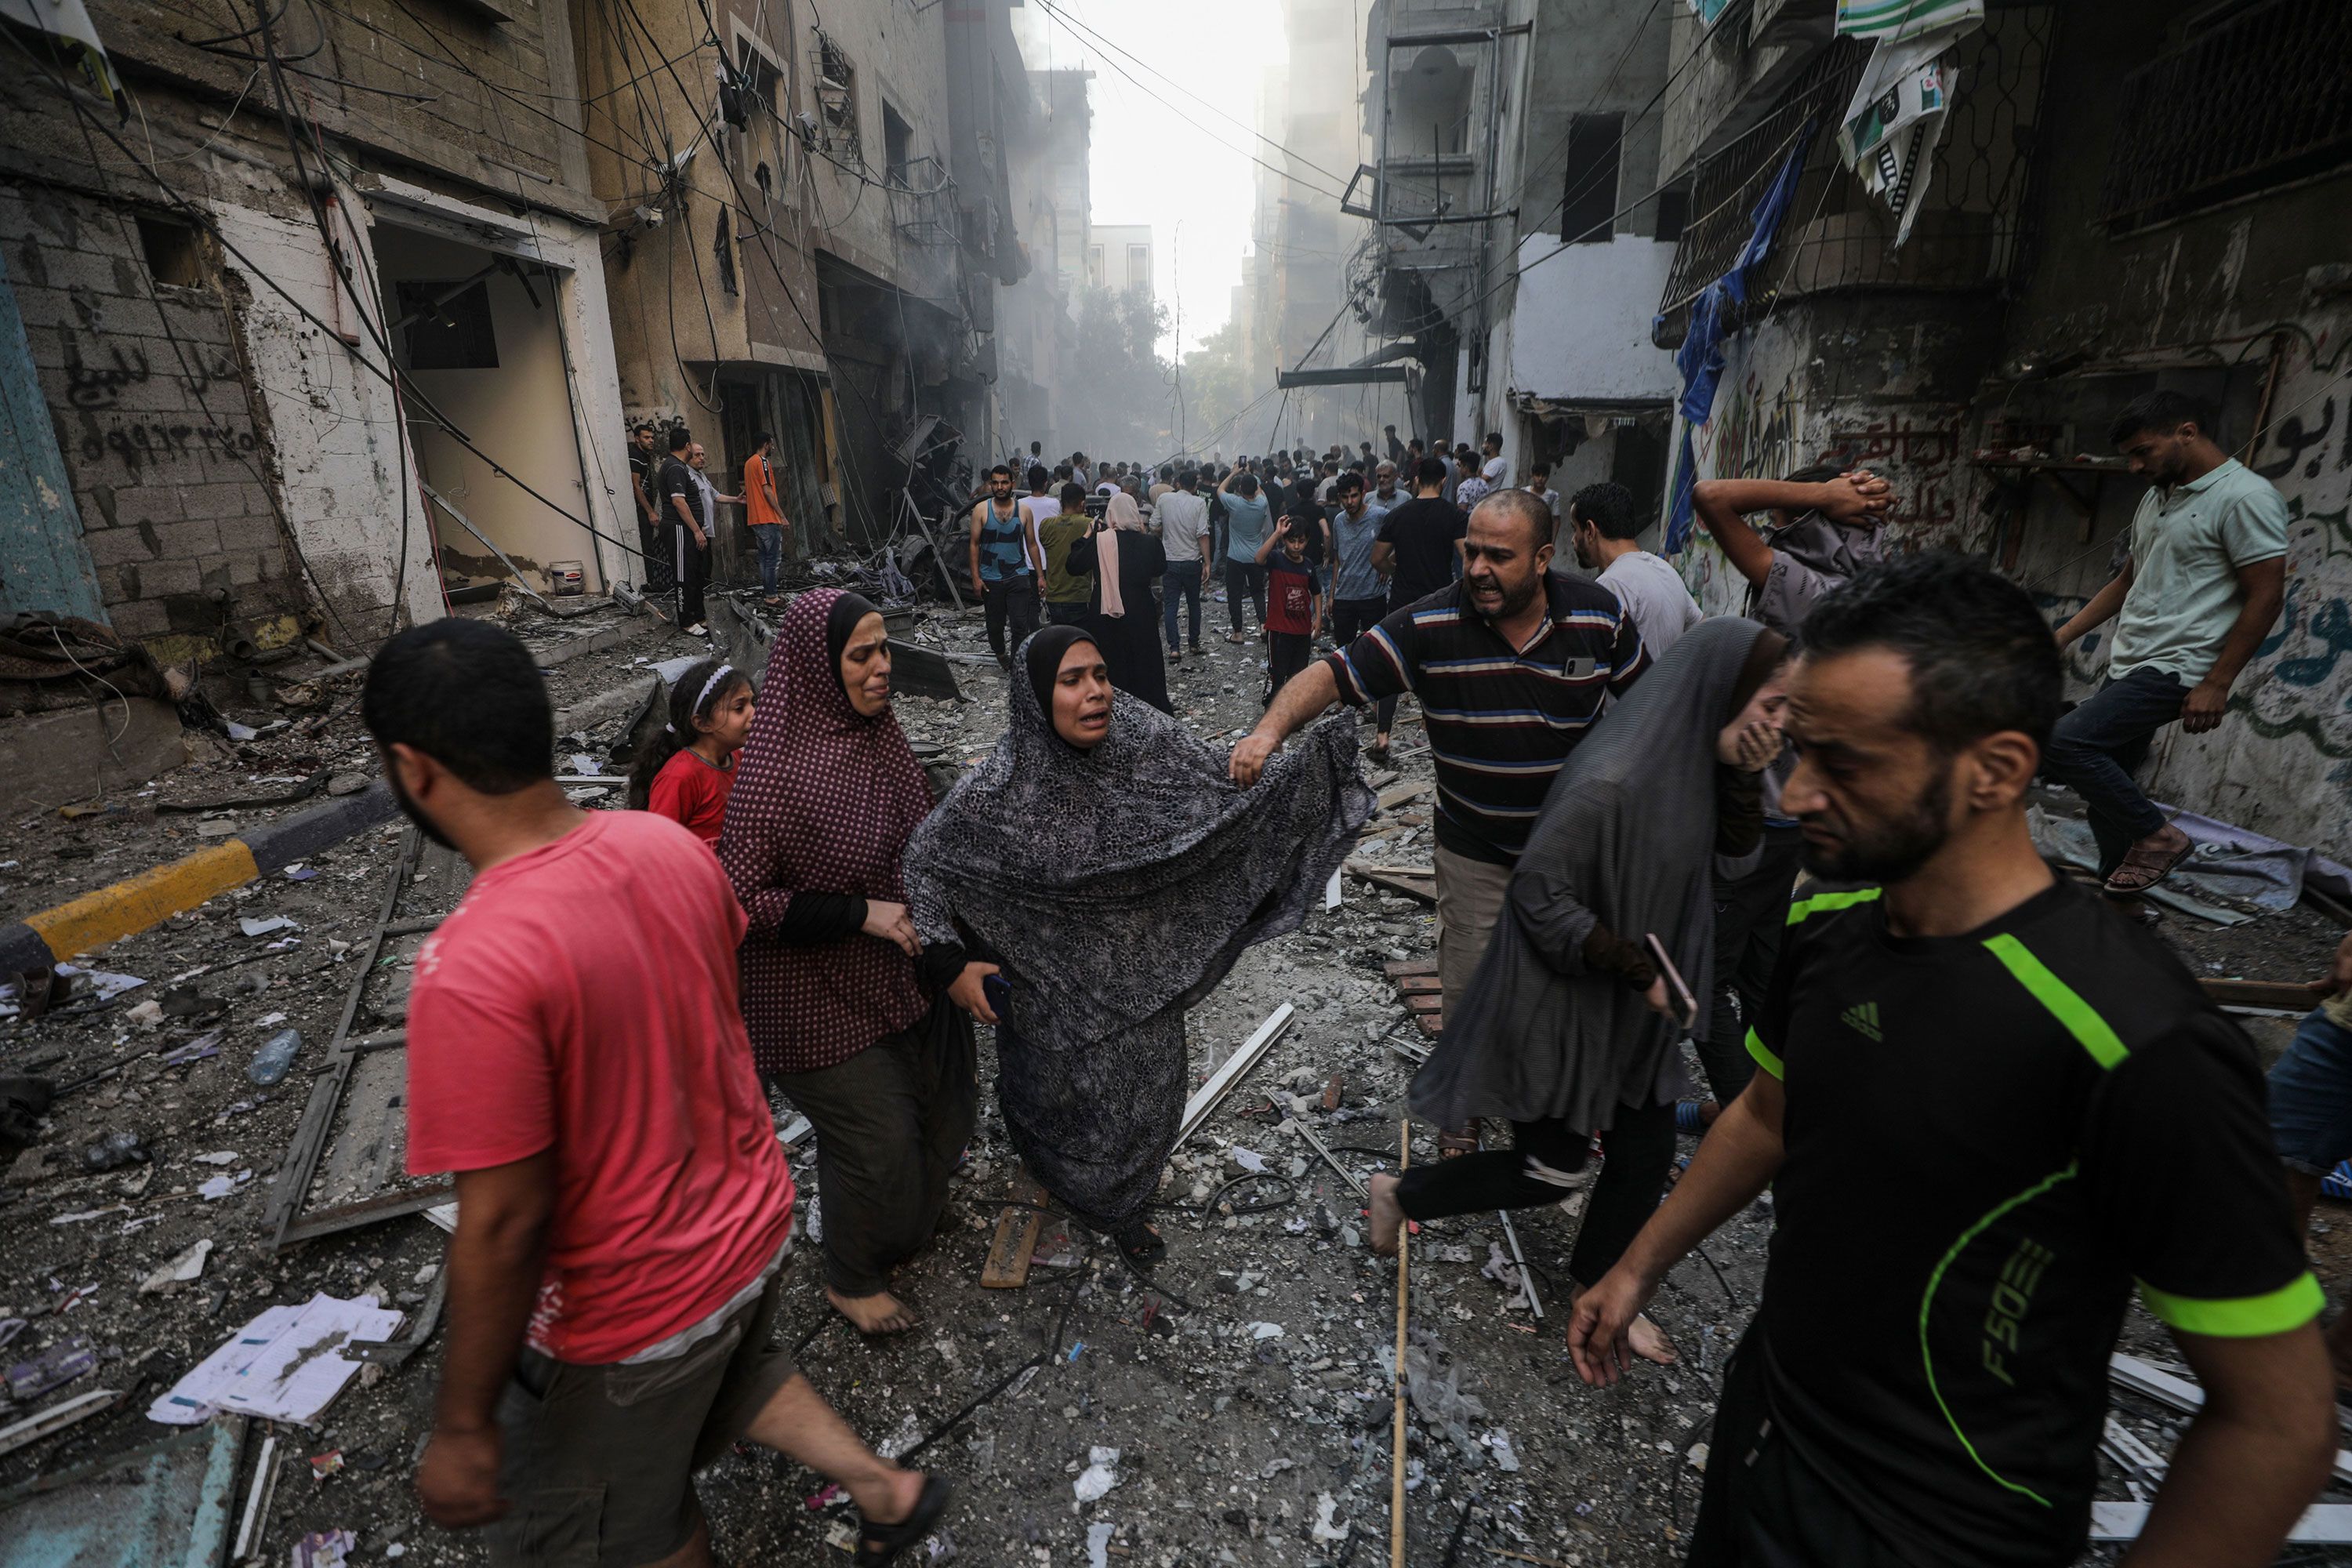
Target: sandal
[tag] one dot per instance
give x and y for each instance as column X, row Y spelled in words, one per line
column 1140, row 1242
column 2149, row 862
column 880, row 1543
column 1455, row 1144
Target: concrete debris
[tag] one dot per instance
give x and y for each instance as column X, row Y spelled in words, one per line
column 180, row 1270
column 1100, row 1475
column 1098, row 1546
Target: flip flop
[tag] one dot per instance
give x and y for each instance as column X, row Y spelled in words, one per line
column 2139, row 872
column 1455, row 1144
column 880, row 1543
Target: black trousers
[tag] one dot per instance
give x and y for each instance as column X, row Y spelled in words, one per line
column 891, row 1122
column 1751, row 914
column 660, row 569
column 1351, row 618
column 1244, row 577
column 1287, row 653
column 1762, row 1505
column 693, row 566
column 1015, row 600
column 1639, row 1151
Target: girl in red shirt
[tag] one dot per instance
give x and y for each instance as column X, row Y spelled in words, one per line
column 687, row 773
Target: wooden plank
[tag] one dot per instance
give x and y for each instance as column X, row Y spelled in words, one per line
column 1419, row 985
column 1396, row 794
column 1413, row 882
column 1426, row 1003
column 1007, row 1267
column 1431, row 1023
column 1398, row 969
column 349, row 1217
column 2290, row 994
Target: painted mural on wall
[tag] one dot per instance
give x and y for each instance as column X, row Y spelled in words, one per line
column 2282, row 762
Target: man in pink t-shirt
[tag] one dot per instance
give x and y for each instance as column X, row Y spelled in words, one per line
column 577, row 1058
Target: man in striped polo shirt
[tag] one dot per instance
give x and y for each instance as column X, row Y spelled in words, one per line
column 1510, row 665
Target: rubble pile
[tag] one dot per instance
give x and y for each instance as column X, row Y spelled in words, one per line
column 1235, row 1407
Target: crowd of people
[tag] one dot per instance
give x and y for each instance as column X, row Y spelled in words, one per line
column 1986, row 1103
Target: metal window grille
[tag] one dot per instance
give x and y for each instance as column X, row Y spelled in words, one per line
column 2263, row 99
column 1726, row 188
column 837, row 97
column 1971, row 226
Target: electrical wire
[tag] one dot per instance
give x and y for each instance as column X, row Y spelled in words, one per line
column 1090, row 33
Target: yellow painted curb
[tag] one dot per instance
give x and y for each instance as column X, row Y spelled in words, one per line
column 114, row 912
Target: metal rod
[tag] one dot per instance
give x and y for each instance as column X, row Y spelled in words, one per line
column 467, row 523
column 1527, row 1275
column 1328, row 1158
column 1396, row 1449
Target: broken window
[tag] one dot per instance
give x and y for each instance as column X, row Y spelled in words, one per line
column 449, row 325
column 722, row 245
column 897, row 146
column 1588, row 207
column 171, row 253
column 1673, row 213
column 837, row 97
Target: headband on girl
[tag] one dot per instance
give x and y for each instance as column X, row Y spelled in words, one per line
column 722, row 673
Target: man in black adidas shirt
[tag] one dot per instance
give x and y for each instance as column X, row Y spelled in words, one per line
column 1986, row 1108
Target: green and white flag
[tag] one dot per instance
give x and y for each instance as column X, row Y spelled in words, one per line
column 1894, row 21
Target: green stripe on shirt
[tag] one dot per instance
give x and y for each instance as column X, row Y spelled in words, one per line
column 1763, row 1055
column 1824, row 903
column 2081, row 1019
column 2275, row 1311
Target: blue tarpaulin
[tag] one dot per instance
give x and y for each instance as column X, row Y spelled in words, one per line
column 1700, row 360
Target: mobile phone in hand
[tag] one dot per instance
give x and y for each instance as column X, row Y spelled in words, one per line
column 1678, row 990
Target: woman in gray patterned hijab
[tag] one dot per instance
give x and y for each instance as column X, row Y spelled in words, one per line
column 1098, row 874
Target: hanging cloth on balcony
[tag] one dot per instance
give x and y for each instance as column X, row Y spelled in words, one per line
column 1896, row 118
column 1700, row 359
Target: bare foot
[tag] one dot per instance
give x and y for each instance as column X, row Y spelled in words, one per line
column 1649, row 1342
column 1388, row 1216
column 877, row 1314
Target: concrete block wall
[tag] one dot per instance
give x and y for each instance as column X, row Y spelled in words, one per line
column 167, row 453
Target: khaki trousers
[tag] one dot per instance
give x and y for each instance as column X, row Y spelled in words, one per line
column 1469, row 901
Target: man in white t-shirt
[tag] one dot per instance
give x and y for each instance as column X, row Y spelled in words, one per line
column 1038, row 505
column 1605, row 523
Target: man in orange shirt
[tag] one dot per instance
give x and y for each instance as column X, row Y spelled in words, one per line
column 766, row 520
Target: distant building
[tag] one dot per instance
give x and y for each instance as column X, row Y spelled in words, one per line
column 1118, row 258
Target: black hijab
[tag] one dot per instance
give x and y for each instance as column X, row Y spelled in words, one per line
column 1043, row 658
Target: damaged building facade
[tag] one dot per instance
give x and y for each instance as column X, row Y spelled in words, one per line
column 812, row 218
column 1519, row 232
column 324, row 317
column 2071, row 250
column 315, row 333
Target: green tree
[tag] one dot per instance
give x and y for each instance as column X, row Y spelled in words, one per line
column 1216, row 389
column 1126, row 389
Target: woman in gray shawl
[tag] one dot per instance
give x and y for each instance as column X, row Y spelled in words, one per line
column 1568, row 1030
column 1098, row 874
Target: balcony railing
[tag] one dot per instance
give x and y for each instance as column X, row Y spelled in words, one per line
column 1970, row 227
column 2261, row 100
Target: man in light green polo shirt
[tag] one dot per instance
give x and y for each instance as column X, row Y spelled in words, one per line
column 2197, row 594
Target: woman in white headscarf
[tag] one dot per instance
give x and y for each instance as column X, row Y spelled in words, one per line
column 1127, row 563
